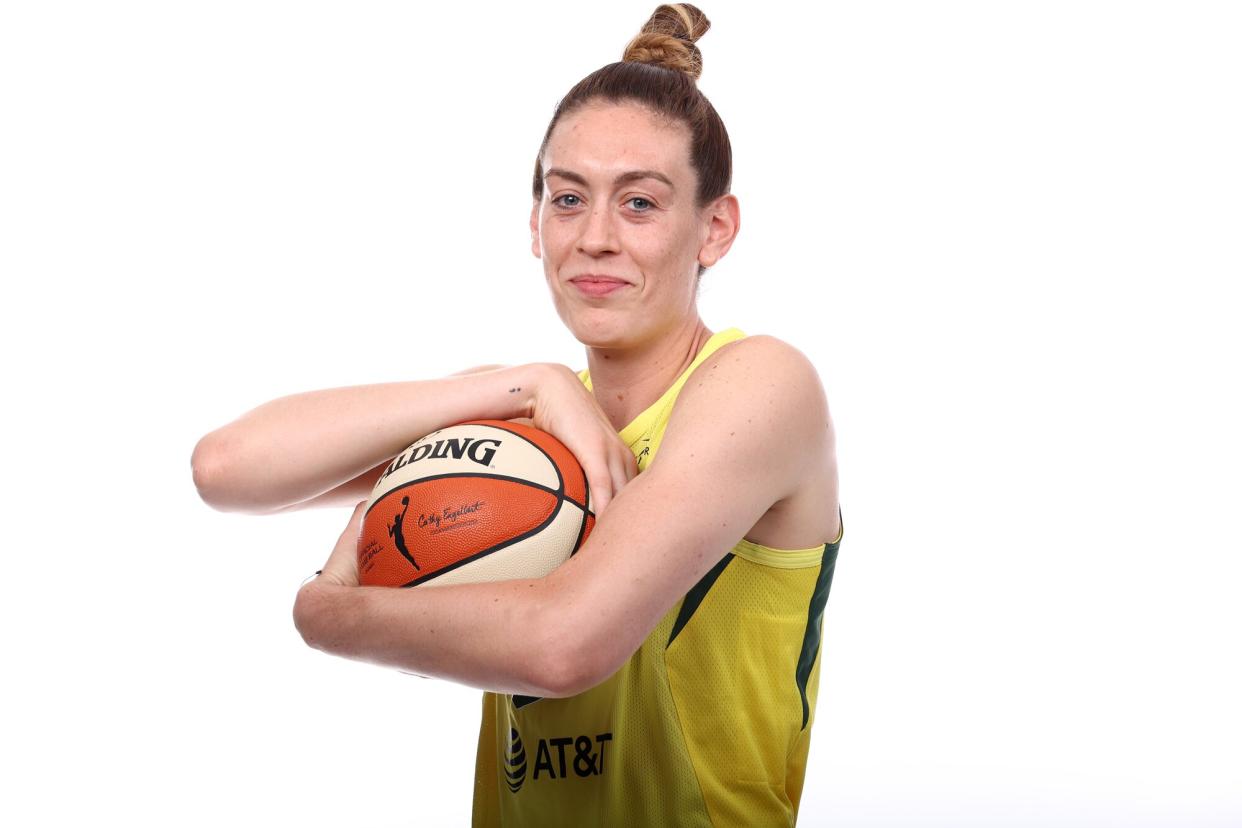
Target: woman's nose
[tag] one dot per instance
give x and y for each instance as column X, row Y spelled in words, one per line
column 598, row 231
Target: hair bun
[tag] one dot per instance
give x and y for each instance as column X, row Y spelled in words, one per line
column 667, row 39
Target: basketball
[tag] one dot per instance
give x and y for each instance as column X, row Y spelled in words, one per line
column 485, row 500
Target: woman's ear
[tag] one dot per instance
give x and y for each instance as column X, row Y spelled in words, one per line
column 534, row 231
column 724, row 220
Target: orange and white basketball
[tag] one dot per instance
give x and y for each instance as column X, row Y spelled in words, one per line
column 486, row 500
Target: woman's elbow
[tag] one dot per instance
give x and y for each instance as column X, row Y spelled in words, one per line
column 210, row 465
column 305, row 611
column 571, row 672
column 205, row 465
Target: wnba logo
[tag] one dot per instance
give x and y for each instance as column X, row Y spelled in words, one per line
column 515, row 762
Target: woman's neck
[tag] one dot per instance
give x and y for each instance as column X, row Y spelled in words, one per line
column 626, row 383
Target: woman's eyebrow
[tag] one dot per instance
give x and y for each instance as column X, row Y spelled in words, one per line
column 632, row 175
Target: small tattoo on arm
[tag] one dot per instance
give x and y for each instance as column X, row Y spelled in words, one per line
column 511, row 390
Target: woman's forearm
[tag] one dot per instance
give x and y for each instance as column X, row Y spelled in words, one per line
column 499, row 635
column 297, row 447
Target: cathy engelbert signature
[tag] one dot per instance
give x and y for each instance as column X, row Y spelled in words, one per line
column 450, row 516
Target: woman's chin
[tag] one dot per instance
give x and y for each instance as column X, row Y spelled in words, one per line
column 599, row 327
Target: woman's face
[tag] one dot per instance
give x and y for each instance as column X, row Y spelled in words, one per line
column 619, row 204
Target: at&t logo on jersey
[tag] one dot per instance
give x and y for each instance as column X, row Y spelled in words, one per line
column 553, row 759
column 515, row 762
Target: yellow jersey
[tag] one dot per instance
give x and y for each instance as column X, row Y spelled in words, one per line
column 707, row 724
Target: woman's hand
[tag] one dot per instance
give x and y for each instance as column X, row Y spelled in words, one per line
column 341, row 570
column 563, row 407
column 342, row 566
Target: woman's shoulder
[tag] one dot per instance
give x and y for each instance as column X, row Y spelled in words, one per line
column 776, row 398
column 763, row 356
column 755, row 413
column 758, row 376
column 753, row 362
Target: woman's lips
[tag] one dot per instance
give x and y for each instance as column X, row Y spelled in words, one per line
column 593, row 286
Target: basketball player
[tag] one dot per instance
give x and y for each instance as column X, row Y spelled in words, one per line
column 666, row 674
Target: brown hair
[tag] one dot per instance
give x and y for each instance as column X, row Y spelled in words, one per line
column 659, row 70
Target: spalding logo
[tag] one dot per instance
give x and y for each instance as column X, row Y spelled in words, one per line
column 480, row 451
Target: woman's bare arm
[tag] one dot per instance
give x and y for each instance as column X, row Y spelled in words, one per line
column 752, row 428
column 326, row 448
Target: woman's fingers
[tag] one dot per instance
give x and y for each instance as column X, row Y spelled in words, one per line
column 616, row 466
column 608, row 472
column 601, row 490
column 567, row 410
column 342, row 565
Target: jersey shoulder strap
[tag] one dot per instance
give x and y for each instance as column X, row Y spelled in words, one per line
column 644, row 434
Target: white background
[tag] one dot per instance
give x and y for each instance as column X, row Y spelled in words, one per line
column 1006, row 233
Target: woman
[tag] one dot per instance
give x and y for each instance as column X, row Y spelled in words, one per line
column 667, row 673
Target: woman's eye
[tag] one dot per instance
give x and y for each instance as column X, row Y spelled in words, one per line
column 639, row 204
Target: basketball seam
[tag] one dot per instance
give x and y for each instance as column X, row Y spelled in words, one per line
column 559, row 477
column 586, row 484
column 560, row 501
column 581, row 530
